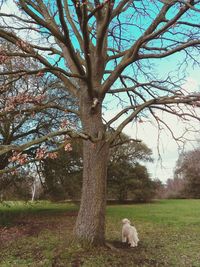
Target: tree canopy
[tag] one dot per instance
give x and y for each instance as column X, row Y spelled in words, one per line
column 84, row 41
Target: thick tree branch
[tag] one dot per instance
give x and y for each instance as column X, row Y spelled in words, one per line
column 68, row 42
column 5, row 149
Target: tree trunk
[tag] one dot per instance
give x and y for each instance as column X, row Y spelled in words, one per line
column 90, row 224
column 3, row 161
column 33, row 190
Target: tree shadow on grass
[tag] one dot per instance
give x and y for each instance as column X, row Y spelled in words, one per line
column 32, row 224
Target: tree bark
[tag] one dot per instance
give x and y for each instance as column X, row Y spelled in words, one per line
column 90, row 224
column 33, row 190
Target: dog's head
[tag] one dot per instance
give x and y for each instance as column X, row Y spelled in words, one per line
column 125, row 220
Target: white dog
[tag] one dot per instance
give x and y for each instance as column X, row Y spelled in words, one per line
column 129, row 233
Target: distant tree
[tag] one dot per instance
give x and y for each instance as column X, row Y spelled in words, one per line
column 160, row 189
column 127, row 179
column 19, row 186
column 129, row 182
column 126, row 149
column 174, row 188
column 62, row 176
column 188, row 171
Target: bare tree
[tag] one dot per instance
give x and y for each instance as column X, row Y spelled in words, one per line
column 187, row 171
column 100, row 50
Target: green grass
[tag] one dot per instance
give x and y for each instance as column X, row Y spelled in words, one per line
column 40, row 234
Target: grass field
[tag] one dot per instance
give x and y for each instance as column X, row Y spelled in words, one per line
column 40, row 234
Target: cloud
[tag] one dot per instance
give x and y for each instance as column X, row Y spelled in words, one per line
column 191, row 85
column 9, row 7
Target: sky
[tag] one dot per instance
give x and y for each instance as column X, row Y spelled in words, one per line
column 165, row 149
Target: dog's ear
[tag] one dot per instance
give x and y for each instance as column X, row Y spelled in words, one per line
column 125, row 220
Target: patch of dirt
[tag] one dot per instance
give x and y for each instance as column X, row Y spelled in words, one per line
column 32, row 225
column 120, row 245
